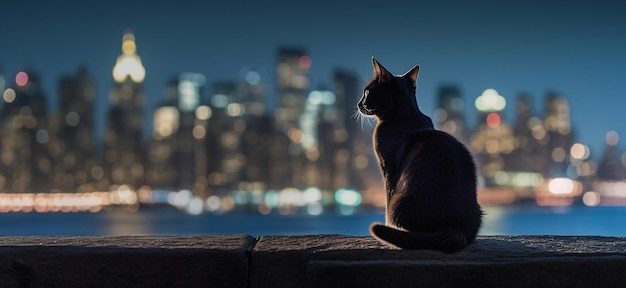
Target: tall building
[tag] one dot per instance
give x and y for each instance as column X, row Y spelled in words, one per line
column 347, row 89
column 76, row 167
column 161, row 169
column 191, row 135
column 258, row 137
column 23, row 149
column 292, row 76
column 316, row 137
column 493, row 138
column 450, row 116
column 292, row 72
column 610, row 177
column 361, row 164
column 530, row 152
column 177, row 153
column 225, row 130
column 559, row 132
column 123, row 146
column 253, row 92
column 610, row 167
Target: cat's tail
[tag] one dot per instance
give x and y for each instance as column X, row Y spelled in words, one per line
column 448, row 240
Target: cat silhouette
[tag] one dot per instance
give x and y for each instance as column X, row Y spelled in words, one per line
column 429, row 176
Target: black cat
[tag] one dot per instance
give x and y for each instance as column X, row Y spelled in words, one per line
column 430, row 177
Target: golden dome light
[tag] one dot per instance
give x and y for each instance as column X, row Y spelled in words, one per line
column 490, row 101
column 129, row 63
column 129, row 47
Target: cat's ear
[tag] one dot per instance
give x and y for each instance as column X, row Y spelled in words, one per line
column 412, row 74
column 379, row 70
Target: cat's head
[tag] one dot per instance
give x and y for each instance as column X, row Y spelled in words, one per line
column 388, row 96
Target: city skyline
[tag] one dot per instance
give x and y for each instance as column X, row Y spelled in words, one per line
column 573, row 48
column 229, row 145
column 537, row 109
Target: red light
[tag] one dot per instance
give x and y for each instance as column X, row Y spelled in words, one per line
column 493, row 120
column 21, row 79
column 305, row 62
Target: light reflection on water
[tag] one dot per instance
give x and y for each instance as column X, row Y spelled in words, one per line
column 498, row 220
column 570, row 220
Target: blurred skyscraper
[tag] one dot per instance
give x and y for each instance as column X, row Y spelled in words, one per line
column 493, row 138
column 292, row 74
column 225, row 135
column 556, row 121
column 177, row 155
column 161, row 168
column 610, row 181
column 611, row 167
column 191, row 158
column 259, row 135
column 24, row 153
column 287, row 153
column 450, row 115
column 346, row 137
column 123, row 144
column 253, row 91
column 530, row 149
column 75, row 165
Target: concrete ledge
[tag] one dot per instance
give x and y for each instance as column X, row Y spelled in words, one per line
column 133, row 261
column 313, row 261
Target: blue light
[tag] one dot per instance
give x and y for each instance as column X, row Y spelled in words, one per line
column 348, row 197
column 253, row 77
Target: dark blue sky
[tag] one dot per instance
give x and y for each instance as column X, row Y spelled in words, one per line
column 577, row 48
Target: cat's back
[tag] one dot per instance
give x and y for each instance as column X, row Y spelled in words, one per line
column 438, row 151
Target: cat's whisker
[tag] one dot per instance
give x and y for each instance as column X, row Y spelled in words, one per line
column 371, row 121
column 361, row 118
column 358, row 117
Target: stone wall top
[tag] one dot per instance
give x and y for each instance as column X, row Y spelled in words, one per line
column 307, row 261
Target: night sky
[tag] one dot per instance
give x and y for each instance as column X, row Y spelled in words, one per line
column 576, row 48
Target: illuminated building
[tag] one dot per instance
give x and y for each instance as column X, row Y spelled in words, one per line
column 24, row 154
column 450, row 116
column 316, row 136
column 609, row 187
column 75, row 168
column 161, row 169
column 225, row 131
column 533, row 159
column 252, row 91
column 257, row 141
column 191, row 135
column 493, row 138
column 292, row 76
column 610, row 166
column 559, row 132
column 530, row 152
column 128, row 65
column 292, row 73
column 177, row 153
column 348, row 135
column 123, row 146
column 258, row 136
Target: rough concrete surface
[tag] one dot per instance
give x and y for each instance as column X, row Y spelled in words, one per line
column 129, row 261
column 308, row 261
column 492, row 261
